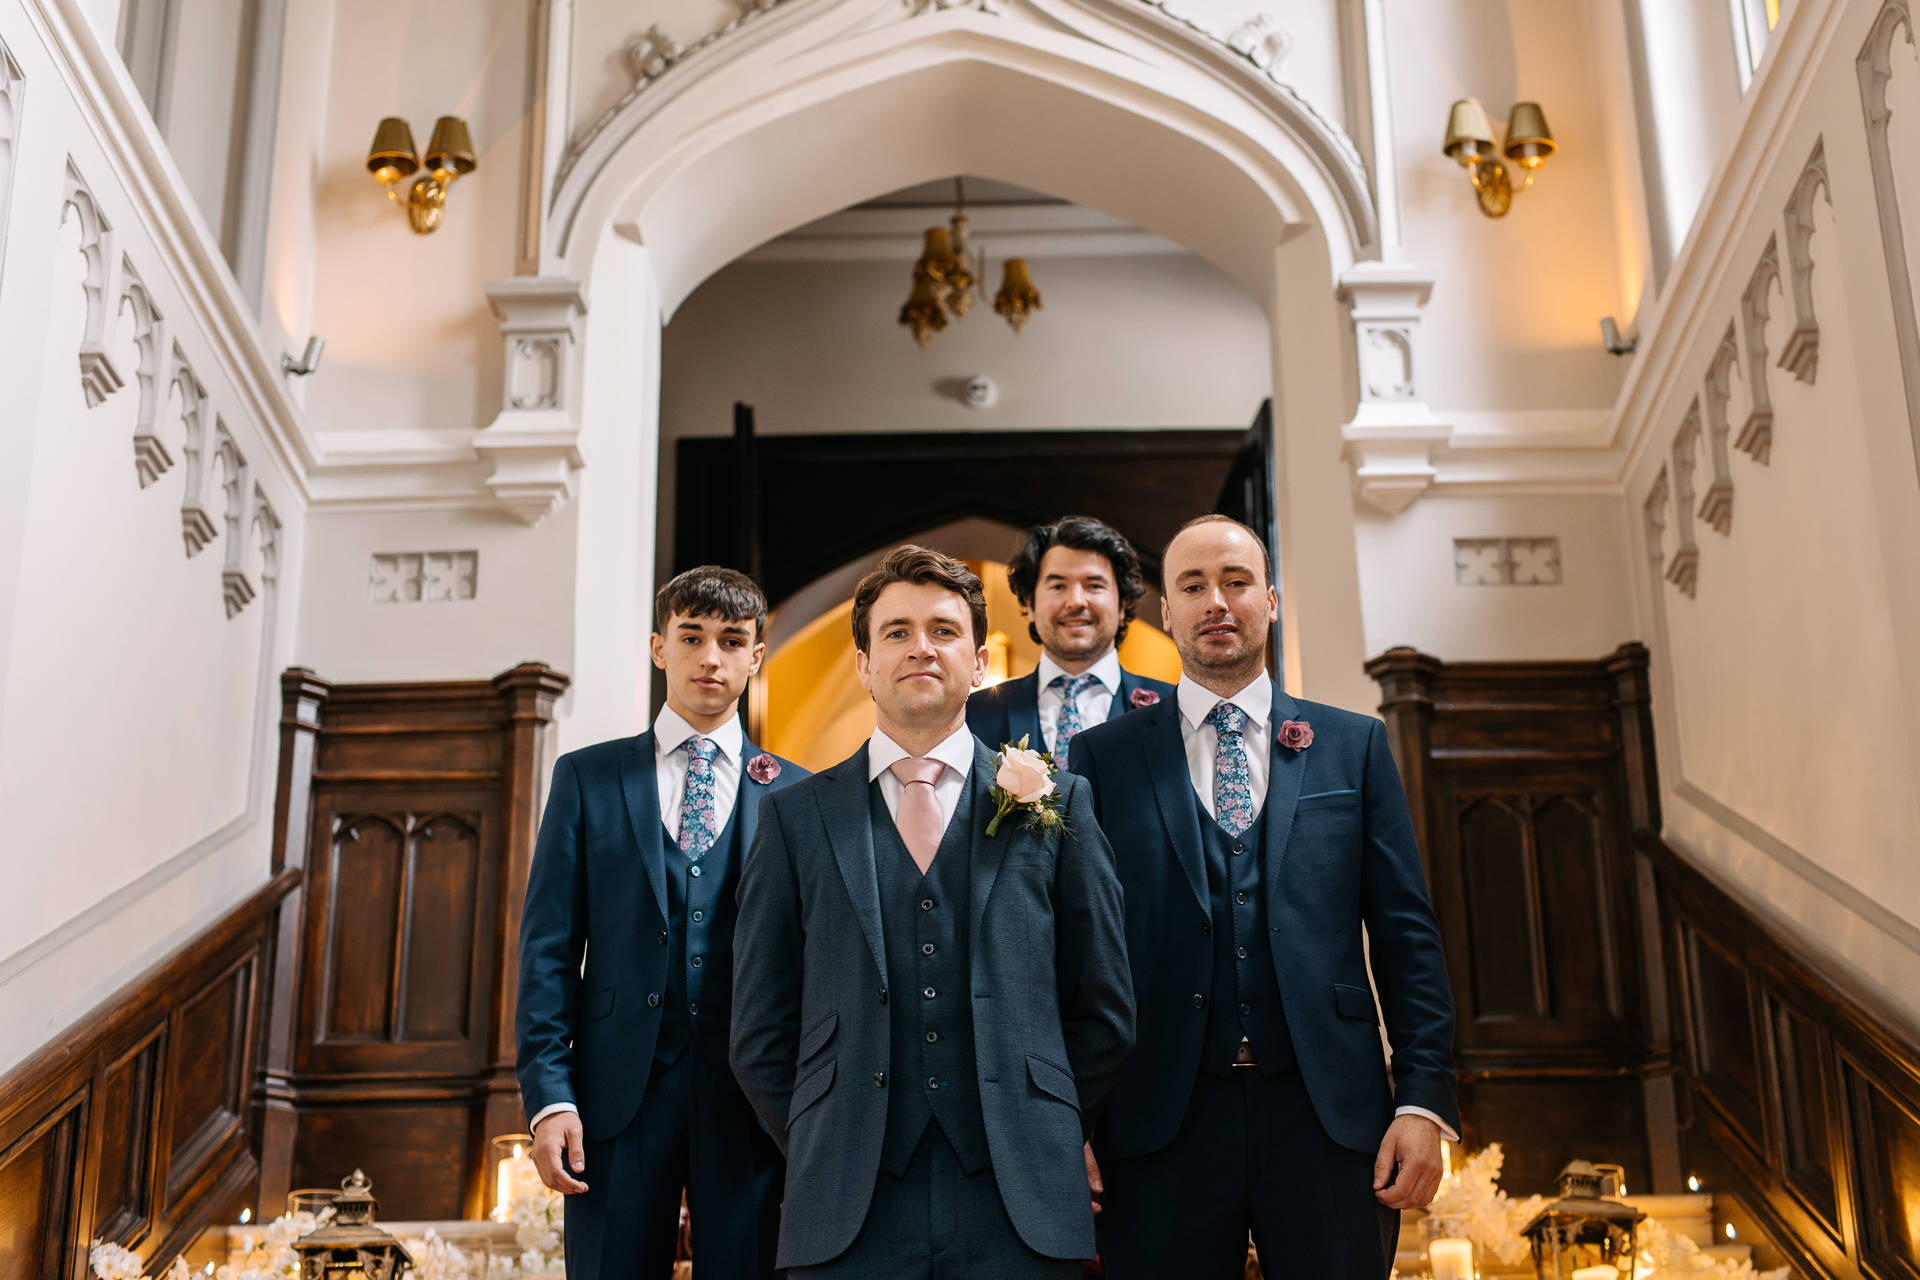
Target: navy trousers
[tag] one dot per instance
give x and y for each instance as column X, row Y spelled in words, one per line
column 936, row 1223
column 695, row 1130
column 1250, row 1157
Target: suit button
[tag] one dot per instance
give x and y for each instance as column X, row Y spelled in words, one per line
column 653, row 1001
column 1206, row 927
column 1240, row 952
column 932, row 1083
column 1239, row 848
column 698, row 916
column 697, row 961
column 883, row 995
column 1199, row 1002
column 879, row 1079
column 1241, row 898
column 663, row 937
column 926, row 904
column 694, row 870
column 694, row 1009
column 928, row 993
column 926, row 948
column 932, row 1036
column 1245, row 1010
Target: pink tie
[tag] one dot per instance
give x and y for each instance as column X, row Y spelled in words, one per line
column 919, row 820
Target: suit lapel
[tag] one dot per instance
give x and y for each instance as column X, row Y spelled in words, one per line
column 640, row 782
column 986, row 854
column 1023, row 713
column 849, row 824
column 1123, row 696
column 747, row 807
column 1173, row 789
column 1285, row 768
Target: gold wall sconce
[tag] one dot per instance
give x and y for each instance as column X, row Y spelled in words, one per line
column 945, row 277
column 391, row 160
column 1470, row 142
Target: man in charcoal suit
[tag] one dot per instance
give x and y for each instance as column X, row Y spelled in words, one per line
column 1256, row 836
column 623, row 1068
column 928, row 1017
column 1079, row 581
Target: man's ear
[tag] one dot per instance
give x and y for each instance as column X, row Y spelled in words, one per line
column 759, row 657
column 657, row 647
column 980, row 661
column 863, row 669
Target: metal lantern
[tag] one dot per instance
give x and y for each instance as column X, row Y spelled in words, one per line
column 1581, row 1231
column 351, row 1247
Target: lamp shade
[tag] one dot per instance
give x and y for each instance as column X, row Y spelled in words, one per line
column 1017, row 297
column 452, row 147
column 1529, row 141
column 1469, row 133
column 391, row 157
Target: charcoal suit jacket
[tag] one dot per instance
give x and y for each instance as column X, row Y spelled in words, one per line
column 599, row 877
column 1049, row 988
column 1338, row 853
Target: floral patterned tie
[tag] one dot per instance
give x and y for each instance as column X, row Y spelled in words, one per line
column 699, row 824
column 1070, row 687
column 1232, row 788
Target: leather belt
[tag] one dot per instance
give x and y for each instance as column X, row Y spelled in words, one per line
column 1245, row 1057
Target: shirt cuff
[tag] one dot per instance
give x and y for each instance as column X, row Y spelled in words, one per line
column 544, row 1112
column 1446, row 1130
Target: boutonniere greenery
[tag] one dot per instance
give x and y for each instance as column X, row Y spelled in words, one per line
column 1023, row 783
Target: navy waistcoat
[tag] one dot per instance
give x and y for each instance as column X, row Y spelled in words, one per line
column 1245, row 1000
column 924, row 919
column 700, row 916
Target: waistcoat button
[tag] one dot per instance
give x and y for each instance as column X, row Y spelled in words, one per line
column 1240, row 898
column 653, row 1001
column 926, row 904
column 1239, row 848
column 697, row 961
column 1199, row 1002
column 928, row 993
column 926, row 948
column 694, row 870
column 932, row 1036
column 694, row 1008
column 879, row 1079
column 1241, row 952
column 1245, row 1009
column 932, row 1083
column 698, row 916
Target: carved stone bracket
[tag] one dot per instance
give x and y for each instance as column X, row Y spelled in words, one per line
column 196, row 526
column 150, row 457
column 534, row 443
column 98, row 378
column 1801, row 356
column 1717, row 507
column 1684, row 572
column 234, row 587
column 1391, row 438
column 1756, row 437
column 1655, row 513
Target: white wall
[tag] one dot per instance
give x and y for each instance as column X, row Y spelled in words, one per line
column 136, row 743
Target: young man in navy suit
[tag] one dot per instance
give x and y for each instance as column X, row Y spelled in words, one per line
column 1078, row 581
column 1256, row 837
column 623, row 1066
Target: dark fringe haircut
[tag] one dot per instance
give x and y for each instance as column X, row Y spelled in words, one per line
column 1077, row 533
column 921, row 567
column 709, row 591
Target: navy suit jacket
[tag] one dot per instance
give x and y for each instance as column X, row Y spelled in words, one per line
column 598, row 877
column 1052, row 1006
column 1010, row 709
column 1339, row 853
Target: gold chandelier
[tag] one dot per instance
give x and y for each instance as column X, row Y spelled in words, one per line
column 944, row 280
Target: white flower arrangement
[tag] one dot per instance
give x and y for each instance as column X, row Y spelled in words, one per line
column 112, row 1262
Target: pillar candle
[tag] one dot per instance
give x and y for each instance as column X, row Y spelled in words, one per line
column 1601, row 1272
column 1452, row 1259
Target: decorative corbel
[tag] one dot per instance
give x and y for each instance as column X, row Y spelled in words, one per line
column 534, row 443
column 1391, row 438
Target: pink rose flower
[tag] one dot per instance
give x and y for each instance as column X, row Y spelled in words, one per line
column 1024, row 775
column 1296, row 735
column 1143, row 698
column 763, row 768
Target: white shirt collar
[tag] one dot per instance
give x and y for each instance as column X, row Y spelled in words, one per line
column 1197, row 700
column 1106, row 671
column 956, row 752
column 671, row 731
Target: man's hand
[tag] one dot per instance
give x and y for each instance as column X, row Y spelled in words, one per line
column 1407, row 1171
column 560, row 1144
column 1094, row 1185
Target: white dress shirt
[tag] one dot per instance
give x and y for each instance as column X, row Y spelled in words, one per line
column 670, row 734
column 1202, row 742
column 956, row 752
column 1095, row 701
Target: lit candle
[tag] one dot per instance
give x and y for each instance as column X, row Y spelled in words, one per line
column 1601, row 1272
column 518, row 1176
column 1452, row 1259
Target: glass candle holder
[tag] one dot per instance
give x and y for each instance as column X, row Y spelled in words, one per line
column 515, row 1177
column 311, row 1200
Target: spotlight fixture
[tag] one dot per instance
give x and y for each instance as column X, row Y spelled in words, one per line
column 391, row 160
column 948, row 273
column 1470, row 142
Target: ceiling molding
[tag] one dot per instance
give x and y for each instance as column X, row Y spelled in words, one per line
column 1006, row 231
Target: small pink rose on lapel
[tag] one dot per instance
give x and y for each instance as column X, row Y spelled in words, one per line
column 1143, row 698
column 1296, row 735
column 763, row 768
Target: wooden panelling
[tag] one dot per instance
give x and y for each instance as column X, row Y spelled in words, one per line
column 1520, row 781
column 133, row 1125
column 414, row 823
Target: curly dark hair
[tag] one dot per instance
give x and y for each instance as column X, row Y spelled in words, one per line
column 921, row 567
column 710, row 591
column 1078, row 533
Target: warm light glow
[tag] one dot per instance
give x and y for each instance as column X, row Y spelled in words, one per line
column 997, row 646
column 246, row 1216
column 1730, row 1231
column 1693, row 1183
column 1773, row 14
column 1446, row 1160
column 1601, row 1272
column 1452, row 1259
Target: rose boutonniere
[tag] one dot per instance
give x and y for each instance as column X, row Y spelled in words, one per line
column 763, row 768
column 1296, row 735
column 1143, row 698
column 1023, row 783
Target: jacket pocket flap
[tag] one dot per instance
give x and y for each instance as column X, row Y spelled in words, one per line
column 1354, row 1002
column 1328, row 800
column 596, row 1005
column 816, row 1039
column 811, row 1090
column 1052, row 1081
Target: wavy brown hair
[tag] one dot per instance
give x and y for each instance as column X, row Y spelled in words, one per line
column 924, row 567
